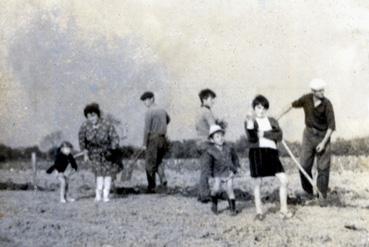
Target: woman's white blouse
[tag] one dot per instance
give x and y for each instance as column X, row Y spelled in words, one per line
column 264, row 125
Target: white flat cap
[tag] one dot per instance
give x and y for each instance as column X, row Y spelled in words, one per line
column 317, row 84
column 214, row 129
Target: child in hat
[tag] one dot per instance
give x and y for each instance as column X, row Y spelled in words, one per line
column 63, row 159
column 263, row 133
column 221, row 163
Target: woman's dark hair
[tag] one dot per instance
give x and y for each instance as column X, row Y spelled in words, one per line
column 206, row 93
column 92, row 108
column 260, row 100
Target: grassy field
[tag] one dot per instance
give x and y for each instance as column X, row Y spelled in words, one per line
column 174, row 217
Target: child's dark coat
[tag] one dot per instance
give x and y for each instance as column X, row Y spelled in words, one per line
column 218, row 162
column 61, row 163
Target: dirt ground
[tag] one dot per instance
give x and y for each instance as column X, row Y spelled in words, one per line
column 175, row 218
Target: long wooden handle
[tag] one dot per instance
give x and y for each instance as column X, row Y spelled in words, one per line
column 284, row 112
column 78, row 154
column 301, row 168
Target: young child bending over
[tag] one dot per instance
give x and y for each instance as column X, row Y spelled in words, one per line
column 221, row 163
column 263, row 133
column 62, row 160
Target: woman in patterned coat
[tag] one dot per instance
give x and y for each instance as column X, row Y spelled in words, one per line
column 98, row 138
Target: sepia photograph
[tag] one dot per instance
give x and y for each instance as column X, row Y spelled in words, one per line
column 184, row 123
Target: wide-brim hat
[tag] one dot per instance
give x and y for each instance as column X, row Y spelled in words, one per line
column 317, row 84
column 214, row 129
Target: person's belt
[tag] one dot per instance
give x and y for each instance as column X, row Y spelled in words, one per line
column 316, row 131
column 156, row 134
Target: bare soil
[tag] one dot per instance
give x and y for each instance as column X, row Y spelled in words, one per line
column 174, row 217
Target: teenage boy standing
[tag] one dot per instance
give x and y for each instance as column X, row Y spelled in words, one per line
column 204, row 120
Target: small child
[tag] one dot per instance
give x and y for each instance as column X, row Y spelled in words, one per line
column 62, row 160
column 263, row 133
column 221, row 163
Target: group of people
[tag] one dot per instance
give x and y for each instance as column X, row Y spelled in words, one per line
column 219, row 162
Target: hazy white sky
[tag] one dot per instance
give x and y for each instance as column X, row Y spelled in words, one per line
column 57, row 56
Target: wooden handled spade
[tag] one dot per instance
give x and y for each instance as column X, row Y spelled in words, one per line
column 299, row 166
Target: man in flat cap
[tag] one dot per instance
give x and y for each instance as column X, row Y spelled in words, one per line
column 155, row 141
column 319, row 126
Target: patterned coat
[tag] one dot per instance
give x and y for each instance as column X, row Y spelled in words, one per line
column 99, row 141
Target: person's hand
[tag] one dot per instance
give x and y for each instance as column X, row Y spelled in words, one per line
column 249, row 117
column 143, row 147
column 320, row 147
column 260, row 134
column 85, row 155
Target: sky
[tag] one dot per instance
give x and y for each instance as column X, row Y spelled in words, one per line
column 58, row 56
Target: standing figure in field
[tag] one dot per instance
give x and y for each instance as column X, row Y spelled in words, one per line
column 319, row 126
column 221, row 163
column 204, row 120
column 63, row 159
column 97, row 138
column 155, row 140
column 263, row 133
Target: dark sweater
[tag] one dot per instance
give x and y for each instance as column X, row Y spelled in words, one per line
column 61, row 163
column 275, row 134
column 156, row 122
column 320, row 117
column 218, row 162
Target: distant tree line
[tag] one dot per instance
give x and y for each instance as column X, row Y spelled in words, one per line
column 188, row 149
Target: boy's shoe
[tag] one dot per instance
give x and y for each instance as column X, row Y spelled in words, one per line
column 150, row 191
column 285, row 215
column 70, row 199
column 259, row 217
column 232, row 207
column 214, row 204
column 204, row 199
column 63, row 201
column 323, row 202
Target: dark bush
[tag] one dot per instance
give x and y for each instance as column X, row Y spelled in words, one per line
column 187, row 149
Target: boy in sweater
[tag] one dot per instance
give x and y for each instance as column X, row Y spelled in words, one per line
column 221, row 163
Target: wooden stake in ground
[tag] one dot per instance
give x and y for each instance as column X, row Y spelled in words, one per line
column 34, row 170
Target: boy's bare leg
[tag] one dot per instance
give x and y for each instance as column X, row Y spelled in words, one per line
column 62, row 181
column 67, row 197
column 230, row 191
column 231, row 197
column 257, row 197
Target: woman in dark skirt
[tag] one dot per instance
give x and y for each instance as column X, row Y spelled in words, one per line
column 263, row 133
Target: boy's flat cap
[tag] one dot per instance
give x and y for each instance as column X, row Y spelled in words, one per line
column 147, row 95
